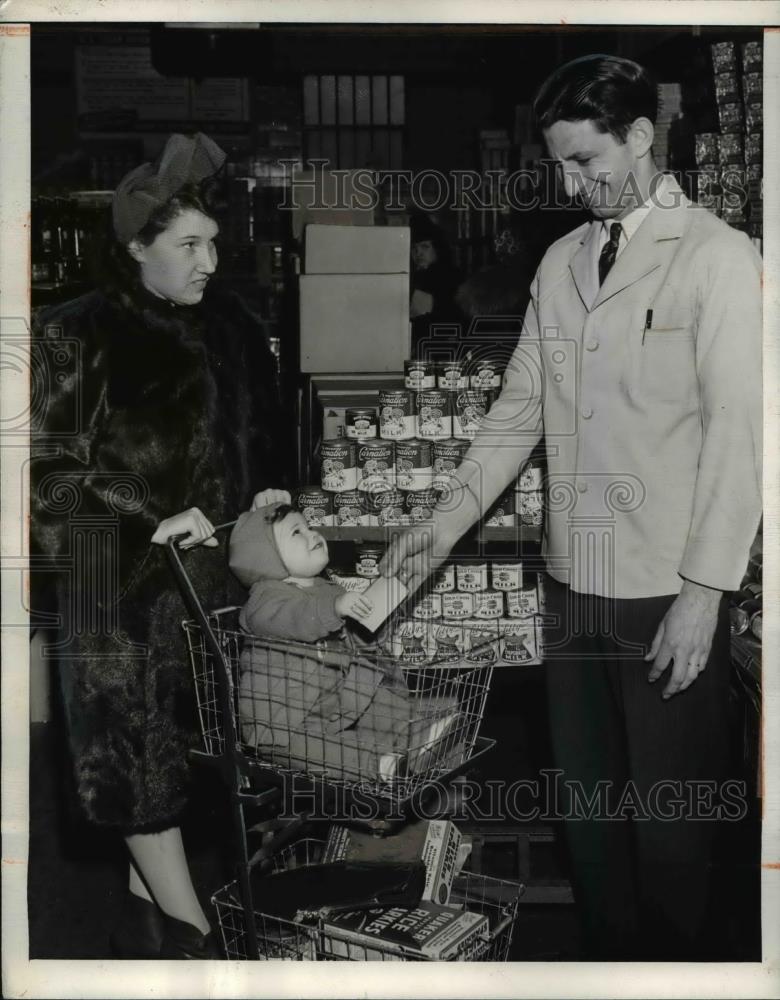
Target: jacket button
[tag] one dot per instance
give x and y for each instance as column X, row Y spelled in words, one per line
column 582, row 487
column 592, row 345
column 586, row 412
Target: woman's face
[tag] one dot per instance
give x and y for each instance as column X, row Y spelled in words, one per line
column 178, row 263
column 423, row 254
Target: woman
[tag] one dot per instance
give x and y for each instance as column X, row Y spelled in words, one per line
column 176, row 408
column 434, row 280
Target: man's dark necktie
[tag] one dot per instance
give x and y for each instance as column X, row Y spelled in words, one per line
column 609, row 251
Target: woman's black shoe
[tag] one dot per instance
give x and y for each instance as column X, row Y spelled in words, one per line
column 183, row 941
column 140, row 931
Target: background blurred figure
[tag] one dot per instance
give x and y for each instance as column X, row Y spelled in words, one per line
column 434, row 280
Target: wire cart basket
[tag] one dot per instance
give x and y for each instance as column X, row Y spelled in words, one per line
column 285, row 940
column 273, row 728
column 425, row 718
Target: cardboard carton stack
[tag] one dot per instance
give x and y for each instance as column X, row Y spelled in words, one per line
column 730, row 181
column 354, row 298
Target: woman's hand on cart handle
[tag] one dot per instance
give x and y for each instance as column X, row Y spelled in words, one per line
column 413, row 555
column 266, row 497
column 192, row 524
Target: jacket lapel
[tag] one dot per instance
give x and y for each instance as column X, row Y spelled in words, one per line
column 650, row 248
column 584, row 266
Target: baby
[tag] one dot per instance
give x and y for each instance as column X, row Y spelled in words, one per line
column 324, row 709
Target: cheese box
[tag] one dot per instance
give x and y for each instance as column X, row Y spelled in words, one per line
column 434, row 842
column 357, row 249
column 354, row 322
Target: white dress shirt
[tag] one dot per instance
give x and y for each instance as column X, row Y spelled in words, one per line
column 630, row 223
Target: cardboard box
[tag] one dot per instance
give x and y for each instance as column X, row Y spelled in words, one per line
column 331, row 198
column 354, row 322
column 432, row 932
column 357, row 250
column 434, row 842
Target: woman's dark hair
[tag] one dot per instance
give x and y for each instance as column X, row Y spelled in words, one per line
column 115, row 268
column 607, row 90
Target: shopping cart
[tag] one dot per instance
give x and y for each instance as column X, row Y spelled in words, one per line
column 272, row 757
column 281, row 939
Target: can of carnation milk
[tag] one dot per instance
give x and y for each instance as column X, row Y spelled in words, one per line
column 434, row 415
column 349, row 509
column 316, row 505
column 502, row 513
column 375, row 465
column 385, row 507
column 469, row 409
column 413, row 464
column 338, row 465
column 531, row 507
column 396, row 414
column 419, row 504
column 447, row 456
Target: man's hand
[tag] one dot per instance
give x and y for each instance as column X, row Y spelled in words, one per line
column 685, row 637
column 413, row 555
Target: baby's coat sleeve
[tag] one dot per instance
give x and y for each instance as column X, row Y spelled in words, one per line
column 284, row 611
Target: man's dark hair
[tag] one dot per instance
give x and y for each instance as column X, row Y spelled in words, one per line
column 607, row 90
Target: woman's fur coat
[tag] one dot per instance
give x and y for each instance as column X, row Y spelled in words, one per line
column 150, row 410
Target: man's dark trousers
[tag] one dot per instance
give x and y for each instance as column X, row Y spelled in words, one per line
column 641, row 880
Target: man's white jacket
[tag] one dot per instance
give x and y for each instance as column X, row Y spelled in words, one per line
column 648, row 393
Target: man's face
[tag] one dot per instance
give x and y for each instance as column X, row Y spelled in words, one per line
column 595, row 166
column 423, row 254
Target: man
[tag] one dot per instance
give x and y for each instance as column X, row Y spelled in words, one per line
column 640, row 363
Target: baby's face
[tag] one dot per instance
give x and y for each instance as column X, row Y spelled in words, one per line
column 304, row 551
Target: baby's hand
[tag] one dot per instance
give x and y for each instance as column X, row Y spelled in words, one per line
column 267, row 497
column 353, row 605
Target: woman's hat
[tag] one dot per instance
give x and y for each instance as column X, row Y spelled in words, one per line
column 185, row 160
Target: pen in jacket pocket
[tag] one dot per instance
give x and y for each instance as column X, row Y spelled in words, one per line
column 648, row 323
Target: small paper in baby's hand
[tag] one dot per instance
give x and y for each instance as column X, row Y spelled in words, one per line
column 386, row 593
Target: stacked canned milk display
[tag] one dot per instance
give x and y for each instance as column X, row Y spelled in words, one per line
column 473, row 612
column 395, row 460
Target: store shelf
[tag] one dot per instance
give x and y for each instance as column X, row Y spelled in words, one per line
column 524, row 533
